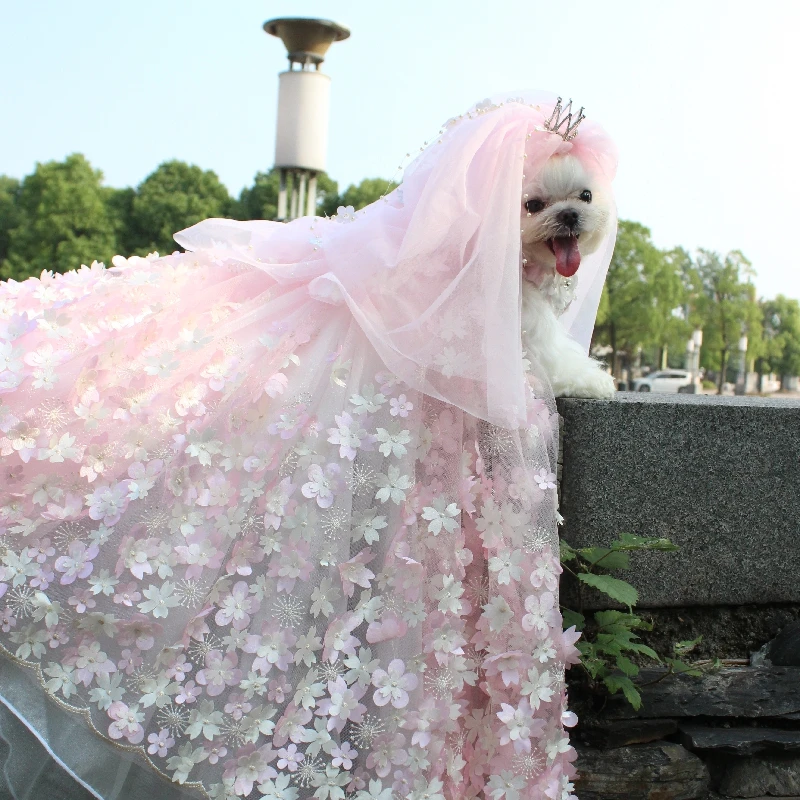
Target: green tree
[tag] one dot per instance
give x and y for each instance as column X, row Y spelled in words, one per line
column 726, row 308
column 641, row 292
column 62, row 220
column 781, row 351
column 668, row 327
column 368, row 191
column 260, row 201
column 120, row 208
column 9, row 212
column 173, row 197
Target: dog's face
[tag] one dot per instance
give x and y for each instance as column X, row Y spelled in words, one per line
column 565, row 215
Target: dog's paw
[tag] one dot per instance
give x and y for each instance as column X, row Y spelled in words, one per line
column 592, row 383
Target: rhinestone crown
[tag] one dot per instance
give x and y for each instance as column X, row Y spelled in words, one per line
column 561, row 121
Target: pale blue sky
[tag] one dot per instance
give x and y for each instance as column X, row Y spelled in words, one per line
column 702, row 97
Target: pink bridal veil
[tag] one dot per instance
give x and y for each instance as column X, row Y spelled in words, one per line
column 278, row 514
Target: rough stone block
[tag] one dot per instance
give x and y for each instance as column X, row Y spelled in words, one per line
column 715, row 796
column 727, row 631
column 756, row 692
column 659, row 771
column 784, row 649
column 717, row 475
column 739, row 741
column 619, row 733
column 773, row 776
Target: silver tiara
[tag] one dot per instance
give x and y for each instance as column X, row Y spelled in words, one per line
column 562, row 118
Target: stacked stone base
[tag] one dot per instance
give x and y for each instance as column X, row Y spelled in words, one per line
column 734, row 733
column 720, row 477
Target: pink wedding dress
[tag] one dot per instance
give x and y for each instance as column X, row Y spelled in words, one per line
column 278, row 514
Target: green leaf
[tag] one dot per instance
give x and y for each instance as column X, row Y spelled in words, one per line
column 609, row 645
column 616, row 621
column 684, row 648
column 617, row 682
column 618, row 590
column 590, row 661
column 585, row 648
column 613, row 617
column 638, row 647
column 628, row 541
column 571, row 618
column 681, row 668
column 567, row 553
column 627, row 666
column 605, row 557
column 618, row 641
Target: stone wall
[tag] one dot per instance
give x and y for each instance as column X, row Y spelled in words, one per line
column 720, row 477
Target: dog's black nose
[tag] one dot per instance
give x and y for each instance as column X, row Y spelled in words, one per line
column 569, row 217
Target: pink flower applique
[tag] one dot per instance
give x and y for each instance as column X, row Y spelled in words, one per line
column 77, row 563
column 160, row 743
column 127, row 722
column 393, row 684
column 354, row 572
column 220, row 671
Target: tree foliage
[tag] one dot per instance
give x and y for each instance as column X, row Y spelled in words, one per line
column 725, row 306
column 61, row 220
column 653, row 299
column 368, row 191
column 9, row 212
column 260, row 201
column 641, row 291
column 781, row 337
column 173, row 197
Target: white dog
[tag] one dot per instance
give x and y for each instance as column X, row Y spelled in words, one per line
column 565, row 215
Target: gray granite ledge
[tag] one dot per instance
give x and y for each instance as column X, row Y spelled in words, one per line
column 720, row 476
column 659, row 398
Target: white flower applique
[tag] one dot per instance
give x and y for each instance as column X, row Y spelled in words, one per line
column 393, row 486
column 345, row 214
column 451, row 362
column 545, row 479
column 441, row 516
column 393, row 442
column 349, row 435
column 369, row 401
column 452, row 325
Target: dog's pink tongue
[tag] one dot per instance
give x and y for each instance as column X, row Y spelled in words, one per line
column 568, row 256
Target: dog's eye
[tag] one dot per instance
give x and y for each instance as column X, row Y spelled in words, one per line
column 586, row 196
column 534, row 205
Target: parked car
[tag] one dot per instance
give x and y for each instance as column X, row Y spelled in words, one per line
column 669, row 380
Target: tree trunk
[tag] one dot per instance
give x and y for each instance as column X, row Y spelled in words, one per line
column 612, row 335
column 663, row 357
column 723, row 370
column 760, row 371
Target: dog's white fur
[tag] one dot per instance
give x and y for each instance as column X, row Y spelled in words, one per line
column 545, row 293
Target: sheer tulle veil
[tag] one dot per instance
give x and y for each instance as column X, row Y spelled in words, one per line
column 278, row 513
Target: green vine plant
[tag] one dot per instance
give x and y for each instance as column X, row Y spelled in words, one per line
column 610, row 639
